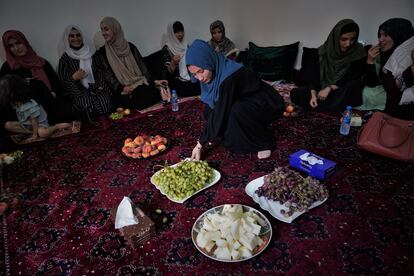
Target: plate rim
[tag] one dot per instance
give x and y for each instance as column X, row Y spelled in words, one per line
column 193, row 232
column 269, row 201
column 217, row 177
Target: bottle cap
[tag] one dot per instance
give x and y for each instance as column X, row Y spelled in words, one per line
column 349, row 107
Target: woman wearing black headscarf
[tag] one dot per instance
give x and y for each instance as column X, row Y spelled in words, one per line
column 391, row 34
column 334, row 73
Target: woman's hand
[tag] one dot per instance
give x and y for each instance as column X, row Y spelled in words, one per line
column 373, row 53
column 324, row 93
column 176, row 59
column 128, row 89
column 196, row 154
column 165, row 93
column 314, row 100
column 161, row 82
column 79, row 74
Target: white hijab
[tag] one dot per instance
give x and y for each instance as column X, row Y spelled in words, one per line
column 177, row 48
column 84, row 55
column 399, row 61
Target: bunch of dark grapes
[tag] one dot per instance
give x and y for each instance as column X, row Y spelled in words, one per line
column 291, row 189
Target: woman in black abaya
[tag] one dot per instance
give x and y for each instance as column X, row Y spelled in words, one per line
column 239, row 106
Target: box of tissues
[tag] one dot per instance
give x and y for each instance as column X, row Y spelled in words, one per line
column 133, row 223
column 312, row 164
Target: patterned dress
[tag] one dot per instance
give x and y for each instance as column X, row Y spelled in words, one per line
column 97, row 96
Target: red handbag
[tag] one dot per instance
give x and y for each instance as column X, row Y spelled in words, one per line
column 388, row 136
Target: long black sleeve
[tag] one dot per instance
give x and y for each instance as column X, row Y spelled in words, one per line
column 109, row 74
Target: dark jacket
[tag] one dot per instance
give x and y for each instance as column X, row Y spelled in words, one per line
column 109, row 74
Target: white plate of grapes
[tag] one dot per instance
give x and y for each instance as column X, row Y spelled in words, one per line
column 285, row 194
column 181, row 181
column 231, row 233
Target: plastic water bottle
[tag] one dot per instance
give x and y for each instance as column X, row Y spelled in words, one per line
column 346, row 121
column 174, row 100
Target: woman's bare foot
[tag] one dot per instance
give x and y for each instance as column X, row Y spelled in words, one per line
column 76, row 126
column 264, row 154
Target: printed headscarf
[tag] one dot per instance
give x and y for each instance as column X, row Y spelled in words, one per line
column 224, row 46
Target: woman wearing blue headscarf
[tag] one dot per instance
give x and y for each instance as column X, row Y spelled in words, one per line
column 239, row 106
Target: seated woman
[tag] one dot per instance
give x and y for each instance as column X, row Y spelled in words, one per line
column 82, row 80
column 22, row 60
column 332, row 79
column 176, row 71
column 124, row 69
column 239, row 106
column 382, row 87
column 391, row 34
column 220, row 42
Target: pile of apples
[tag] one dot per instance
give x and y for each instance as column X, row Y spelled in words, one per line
column 290, row 111
column 144, row 146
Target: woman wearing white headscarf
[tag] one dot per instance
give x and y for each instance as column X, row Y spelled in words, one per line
column 78, row 70
column 176, row 72
column 124, row 69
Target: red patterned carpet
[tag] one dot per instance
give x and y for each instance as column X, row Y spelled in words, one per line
column 69, row 185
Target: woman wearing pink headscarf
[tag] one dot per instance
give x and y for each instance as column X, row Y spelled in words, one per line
column 23, row 61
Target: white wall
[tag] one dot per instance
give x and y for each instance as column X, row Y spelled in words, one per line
column 265, row 22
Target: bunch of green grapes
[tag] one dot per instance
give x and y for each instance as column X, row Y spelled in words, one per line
column 116, row 116
column 184, row 179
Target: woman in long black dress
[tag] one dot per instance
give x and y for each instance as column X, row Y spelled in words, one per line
column 82, row 80
column 124, row 69
column 333, row 77
column 239, row 106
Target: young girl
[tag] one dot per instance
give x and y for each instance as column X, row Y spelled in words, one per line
column 32, row 118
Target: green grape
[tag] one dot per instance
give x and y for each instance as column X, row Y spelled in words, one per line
column 116, row 116
column 184, row 179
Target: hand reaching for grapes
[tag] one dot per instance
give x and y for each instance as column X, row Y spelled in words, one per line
column 196, row 154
